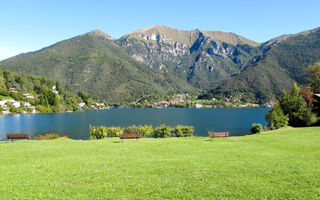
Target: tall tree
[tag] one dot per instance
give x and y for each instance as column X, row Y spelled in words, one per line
column 314, row 77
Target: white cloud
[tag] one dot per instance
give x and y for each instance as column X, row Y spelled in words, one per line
column 7, row 53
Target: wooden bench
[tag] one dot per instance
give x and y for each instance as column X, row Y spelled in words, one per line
column 18, row 136
column 130, row 136
column 219, row 134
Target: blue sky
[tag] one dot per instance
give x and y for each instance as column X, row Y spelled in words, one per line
column 28, row 25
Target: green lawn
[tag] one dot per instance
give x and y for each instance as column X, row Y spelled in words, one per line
column 282, row 164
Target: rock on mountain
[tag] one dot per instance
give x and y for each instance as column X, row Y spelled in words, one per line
column 202, row 58
column 284, row 60
column 94, row 63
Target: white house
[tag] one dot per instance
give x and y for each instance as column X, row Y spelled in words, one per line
column 81, row 104
column 198, row 105
column 13, row 90
column 28, row 96
column 26, row 104
column 14, row 103
column 54, row 89
column 3, row 103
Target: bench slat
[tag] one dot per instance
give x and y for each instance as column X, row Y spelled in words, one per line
column 219, row 134
column 130, row 136
column 18, row 136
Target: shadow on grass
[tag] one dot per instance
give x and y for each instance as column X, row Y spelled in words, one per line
column 116, row 142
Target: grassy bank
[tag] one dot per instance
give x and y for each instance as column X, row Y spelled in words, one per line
column 282, row 164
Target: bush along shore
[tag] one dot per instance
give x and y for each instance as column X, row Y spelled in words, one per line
column 163, row 131
column 298, row 108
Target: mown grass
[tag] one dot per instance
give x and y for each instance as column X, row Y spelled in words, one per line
column 282, row 164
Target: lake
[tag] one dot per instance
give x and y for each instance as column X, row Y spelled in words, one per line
column 236, row 121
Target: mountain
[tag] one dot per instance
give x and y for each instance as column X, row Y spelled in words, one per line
column 94, row 63
column 284, row 61
column 166, row 33
column 165, row 60
column 202, row 58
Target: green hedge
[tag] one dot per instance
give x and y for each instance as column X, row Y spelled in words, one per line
column 163, row 131
column 183, row 131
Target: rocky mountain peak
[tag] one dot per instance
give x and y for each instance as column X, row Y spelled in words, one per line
column 99, row 33
column 170, row 35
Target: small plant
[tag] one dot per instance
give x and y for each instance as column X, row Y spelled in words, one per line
column 256, row 128
column 183, row 131
column 132, row 129
column 114, row 131
column 162, row 131
column 97, row 133
column 146, row 130
column 48, row 136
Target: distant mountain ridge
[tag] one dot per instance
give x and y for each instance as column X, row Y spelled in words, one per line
column 161, row 59
column 93, row 63
column 202, row 58
column 166, row 33
column 283, row 62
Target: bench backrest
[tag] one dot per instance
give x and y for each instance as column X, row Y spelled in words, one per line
column 130, row 136
column 18, row 136
column 219, row 134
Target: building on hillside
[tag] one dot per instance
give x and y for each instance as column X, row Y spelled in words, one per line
column 14, row 103
column 3, row 103
column 54, row 89
column 28, row 96
column 81, row 104
column 26, row 104
column 198, row 105
column 162, row 104
column 12, row 89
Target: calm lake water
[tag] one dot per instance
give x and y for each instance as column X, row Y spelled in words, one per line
column 237, row 121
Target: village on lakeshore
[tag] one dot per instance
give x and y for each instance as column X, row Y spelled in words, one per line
column 7, row 104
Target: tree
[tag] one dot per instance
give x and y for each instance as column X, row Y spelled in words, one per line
column 276, row 117
column 314, row 82
column 296, row 108
column 314, row 77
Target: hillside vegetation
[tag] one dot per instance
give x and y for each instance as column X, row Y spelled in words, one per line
column 21, row 93
column 92, row 63
column 281, row 164
column 275, row 71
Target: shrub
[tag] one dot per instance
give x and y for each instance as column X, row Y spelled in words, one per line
column 162, row 131
column 146, row 130
column 256, row 128
column 132, row 129
column 296, row 108
column 114, row 131
column 183, row 131
column 43, row 109
column 276, row 117
column 97, row 133
column 48, row 136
